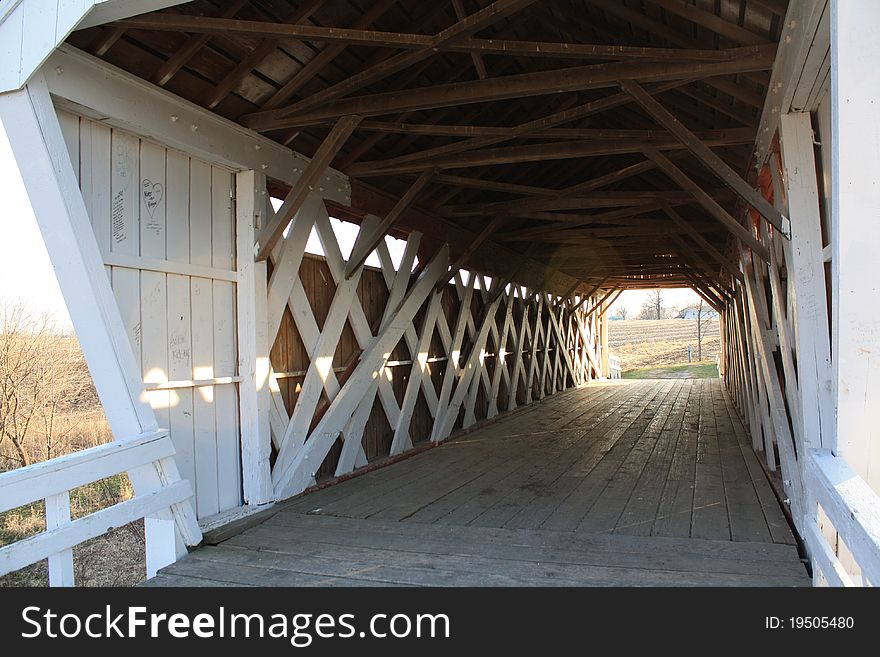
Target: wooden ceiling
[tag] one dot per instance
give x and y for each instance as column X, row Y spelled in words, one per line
column 507, row 127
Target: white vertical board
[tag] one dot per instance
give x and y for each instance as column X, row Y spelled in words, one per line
column 856, row 233
column 124, row 231
column 202, row 306
column 153, row 293
column 70, row 130
column 180, row 368
column 154, row 205
column 225, row 351
column 95, row 179
column 251, row 209
column 808, row 273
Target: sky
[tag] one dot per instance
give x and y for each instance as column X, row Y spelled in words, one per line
column 26, row 273
column 675, row 298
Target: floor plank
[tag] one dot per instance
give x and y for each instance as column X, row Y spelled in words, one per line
column 624, row 483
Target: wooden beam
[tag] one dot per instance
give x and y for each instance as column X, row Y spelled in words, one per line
column 528, row 153
column 733, row 111
column 528, row 128
column 323, row 58
column 512, row 132
column 253, row 342
column 255, row 57
column 223, row 26
column 599, row 303
column 560, row 117
column 185, row 52
column 106, row 39
column 716, row 303
column 272, row 232
column 569, row 50
column 592, row 291
column 602, row 199
column 495, row 259
column 703, row 153
column 117, row 98
column 460, row 30
column 366, row 247
column 806, row 275
column 702, row 269
column 512, row 86
column 710, row 21
column 736, row 91
column 611, row 178
column 493, row 186
column 695, row 235
column 420, row 43
column 855, row 234
column 487, row 232
column 638, row 18
column 479, row 64
column 574, row 221
column 610, row 304
column 708, row 203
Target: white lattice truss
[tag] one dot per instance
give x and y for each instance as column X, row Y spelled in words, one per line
column 522, row 338
column 780, row 307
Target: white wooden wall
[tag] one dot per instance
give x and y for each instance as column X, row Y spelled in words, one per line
column 31, row 29
column 165, row 225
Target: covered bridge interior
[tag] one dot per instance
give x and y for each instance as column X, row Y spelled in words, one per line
column 530, row 160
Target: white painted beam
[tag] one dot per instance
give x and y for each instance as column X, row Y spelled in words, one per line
column 856, row 233
column 106, row 11
column 807, row 275
column 253, row 342
column 88, row 86
column 301, row 468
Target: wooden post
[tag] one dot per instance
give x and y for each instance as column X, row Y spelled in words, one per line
column 807, row 274
column 855, row 143
column 43, row 161
column 603, row 337
column 60, row 564
column 253, row 340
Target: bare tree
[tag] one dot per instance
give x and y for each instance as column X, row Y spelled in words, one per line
column 653, row 308
column 621, row 312
column 702, row 319
column 43, row 381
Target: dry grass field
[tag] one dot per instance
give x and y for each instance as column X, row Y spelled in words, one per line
column 646, row 342
column 48, row 408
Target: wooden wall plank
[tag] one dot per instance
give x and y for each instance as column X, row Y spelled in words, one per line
column 202, row 305
column 153, row 292
column 225, row 349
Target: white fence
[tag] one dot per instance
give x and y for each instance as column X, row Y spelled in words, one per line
column 53, row 480
column 847, row 554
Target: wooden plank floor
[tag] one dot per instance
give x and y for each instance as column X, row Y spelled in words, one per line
column 638, row 483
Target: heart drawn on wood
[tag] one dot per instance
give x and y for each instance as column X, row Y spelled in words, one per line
column 153, row 193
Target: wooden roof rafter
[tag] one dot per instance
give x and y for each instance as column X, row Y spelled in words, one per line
column 516, row 103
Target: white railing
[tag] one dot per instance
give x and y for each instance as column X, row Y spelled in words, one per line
column 614, row 370
column 853, row 508
column 53, row 480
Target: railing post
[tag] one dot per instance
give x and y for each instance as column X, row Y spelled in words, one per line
column 61, row 564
